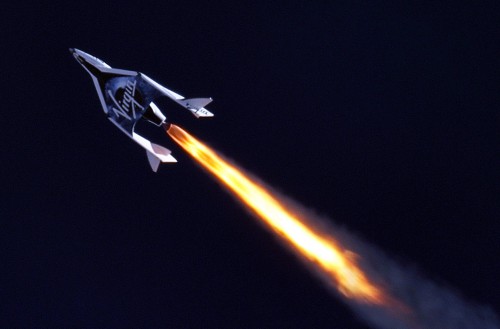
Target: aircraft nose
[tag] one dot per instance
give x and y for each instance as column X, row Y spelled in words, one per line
column 75, row 54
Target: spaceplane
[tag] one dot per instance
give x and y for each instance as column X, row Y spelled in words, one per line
column 127, row 97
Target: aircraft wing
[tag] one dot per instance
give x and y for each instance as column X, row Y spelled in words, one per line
column 195, row 105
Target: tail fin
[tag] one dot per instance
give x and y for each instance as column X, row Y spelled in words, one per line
column 154, row 162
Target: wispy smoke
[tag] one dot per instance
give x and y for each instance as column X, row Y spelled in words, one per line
column 425, row 304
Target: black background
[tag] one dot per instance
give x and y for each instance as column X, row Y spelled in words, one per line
column 380, row 116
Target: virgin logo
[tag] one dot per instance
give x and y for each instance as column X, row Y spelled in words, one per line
column 128, row 105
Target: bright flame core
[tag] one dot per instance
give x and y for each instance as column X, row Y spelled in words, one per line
column 334, row 261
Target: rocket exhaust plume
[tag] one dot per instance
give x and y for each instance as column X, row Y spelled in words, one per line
column 384, row 293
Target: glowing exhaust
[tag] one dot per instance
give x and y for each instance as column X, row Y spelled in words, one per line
column 385, row 294
column 322, row 250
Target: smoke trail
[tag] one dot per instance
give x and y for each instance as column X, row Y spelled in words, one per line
column 385, row 294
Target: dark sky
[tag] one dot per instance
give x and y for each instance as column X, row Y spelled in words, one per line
column 379, row 116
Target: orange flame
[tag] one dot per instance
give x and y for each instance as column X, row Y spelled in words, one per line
column 337, row 263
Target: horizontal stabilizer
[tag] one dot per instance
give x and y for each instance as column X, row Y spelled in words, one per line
column 196, row 106
column 203, row 112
